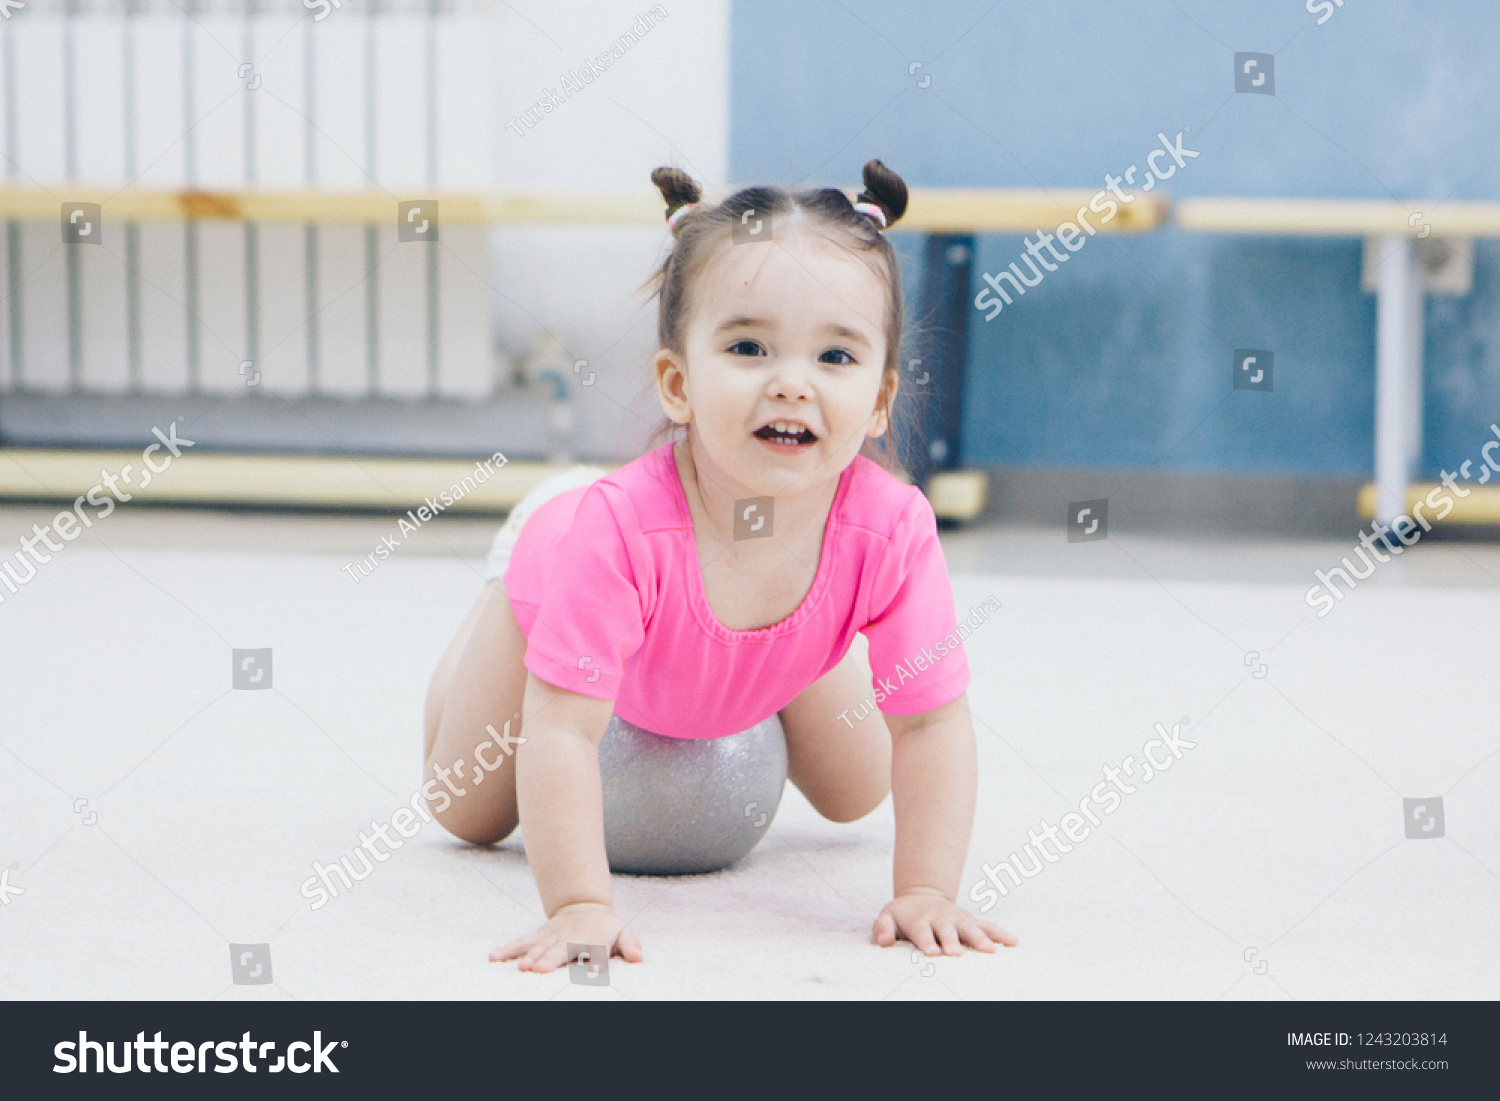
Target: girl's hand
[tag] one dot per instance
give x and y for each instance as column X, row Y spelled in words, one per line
column 937, row 926
column 580, row 923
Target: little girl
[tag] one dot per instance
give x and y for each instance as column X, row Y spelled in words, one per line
column 643, row 593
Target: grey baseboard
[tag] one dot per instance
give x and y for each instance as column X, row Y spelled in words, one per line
column 1172, row 501
column 516, row 423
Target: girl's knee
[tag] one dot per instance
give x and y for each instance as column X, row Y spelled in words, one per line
column 849, row 807
column 476, row 823
column 477, row 833
column 846, row 802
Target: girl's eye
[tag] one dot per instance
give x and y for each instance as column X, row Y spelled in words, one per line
column 833, row 354
column 746, row 348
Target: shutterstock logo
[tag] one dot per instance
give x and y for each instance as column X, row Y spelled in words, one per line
column 1424, row 818
column 588, row 964
column 1088, row 520
column 250, row 964
column 81, row 223
column 417, row 220
column 753, row 227
column 252, row 669
column 1255, row 73
column 189, row 1057
column 1157, row 757
column 754, row 517
column 1252, row 369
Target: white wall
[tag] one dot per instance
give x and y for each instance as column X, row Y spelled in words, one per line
column 160, row 99
column 666, row 101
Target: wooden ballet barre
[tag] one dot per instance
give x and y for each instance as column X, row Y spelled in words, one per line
column 954, row 210
column 1340, row 217
column 1481, row 507
column 931, row 210
column 350, row 207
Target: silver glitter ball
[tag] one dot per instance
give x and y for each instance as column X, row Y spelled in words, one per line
column 677, row 806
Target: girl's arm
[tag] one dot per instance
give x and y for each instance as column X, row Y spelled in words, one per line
column 559, row 796
column 934, row 783
column 561, row 804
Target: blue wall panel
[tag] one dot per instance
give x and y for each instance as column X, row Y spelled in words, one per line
column 1122, row 356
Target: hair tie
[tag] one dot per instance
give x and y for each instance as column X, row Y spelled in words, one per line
column 676, row 215
column 872, row 210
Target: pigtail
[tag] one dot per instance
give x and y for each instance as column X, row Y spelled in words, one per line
column 883, row 189
column 677, row 188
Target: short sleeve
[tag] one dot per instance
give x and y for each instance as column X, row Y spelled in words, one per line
column 592, row 615
column 917, row 660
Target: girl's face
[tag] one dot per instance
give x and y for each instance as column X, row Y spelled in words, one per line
column 785, row 355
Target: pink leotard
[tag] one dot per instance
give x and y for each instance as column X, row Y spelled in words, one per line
column 606, row 587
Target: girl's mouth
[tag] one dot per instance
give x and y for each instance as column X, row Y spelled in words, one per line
column 785, row 434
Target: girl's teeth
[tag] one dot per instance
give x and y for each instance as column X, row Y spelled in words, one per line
column 788, row 431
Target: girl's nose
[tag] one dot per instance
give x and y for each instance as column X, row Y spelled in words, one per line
column 790, row 384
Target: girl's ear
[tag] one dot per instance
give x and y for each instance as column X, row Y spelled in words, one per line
column 671, row 386
column 885, row 401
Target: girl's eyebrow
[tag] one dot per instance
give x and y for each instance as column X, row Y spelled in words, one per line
column 743, row 323
column 848, row 333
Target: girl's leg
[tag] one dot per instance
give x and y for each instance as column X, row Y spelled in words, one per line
column 843, row 766
column 479, row 681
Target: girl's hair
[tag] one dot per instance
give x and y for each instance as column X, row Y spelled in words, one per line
column 700, row 231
